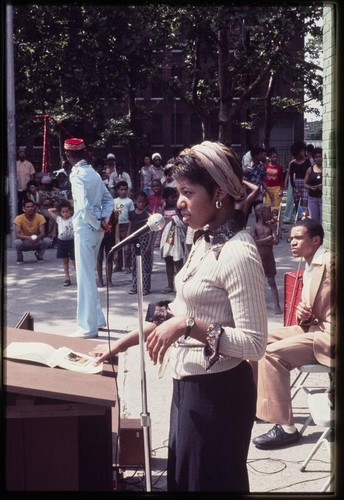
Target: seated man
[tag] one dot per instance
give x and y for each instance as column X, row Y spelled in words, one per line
column 311, row 341
column 30, row 233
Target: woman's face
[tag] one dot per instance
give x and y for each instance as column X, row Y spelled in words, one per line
column 196, row 206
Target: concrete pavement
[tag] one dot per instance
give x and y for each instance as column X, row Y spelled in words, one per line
column 38, row 288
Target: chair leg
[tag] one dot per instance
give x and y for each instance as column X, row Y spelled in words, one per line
column 321, row 440
column 296, row 388
column 306, row 424
column 328, row 482
column 295, row 379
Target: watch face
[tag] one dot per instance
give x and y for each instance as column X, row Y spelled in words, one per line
column 190, row 322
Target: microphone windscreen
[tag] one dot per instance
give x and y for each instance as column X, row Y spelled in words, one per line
column 156, row 222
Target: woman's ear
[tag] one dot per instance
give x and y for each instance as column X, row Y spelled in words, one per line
column 220, row 194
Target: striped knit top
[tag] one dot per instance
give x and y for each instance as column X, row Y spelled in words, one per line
column 228, row 290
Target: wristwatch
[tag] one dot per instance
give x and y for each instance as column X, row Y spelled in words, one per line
column 189, row 324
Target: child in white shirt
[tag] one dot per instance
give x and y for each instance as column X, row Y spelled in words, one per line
column 65, row 236
column 123, row 206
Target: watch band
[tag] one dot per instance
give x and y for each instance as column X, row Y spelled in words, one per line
column 189, row 324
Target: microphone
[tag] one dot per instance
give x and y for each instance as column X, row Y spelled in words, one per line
column 154, row 223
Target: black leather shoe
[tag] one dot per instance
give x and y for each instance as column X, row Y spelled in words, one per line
column 275, row 438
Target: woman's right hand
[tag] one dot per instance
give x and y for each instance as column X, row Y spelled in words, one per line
column 102, row 353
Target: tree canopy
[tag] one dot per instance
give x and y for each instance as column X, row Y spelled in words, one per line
column 77, row 62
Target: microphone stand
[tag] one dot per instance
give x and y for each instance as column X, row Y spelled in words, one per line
column 145, row 416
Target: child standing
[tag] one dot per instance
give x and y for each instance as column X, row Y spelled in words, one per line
column 155, row 200
column 32, row 194
column 123, row 206
column 265, row 237
column 111, row 237
column 65, row 236
column 168, row 180
column 144, row 177
column 172, row 242
column 274, row 180
column 138, row 218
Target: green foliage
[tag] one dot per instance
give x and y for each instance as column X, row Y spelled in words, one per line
column 79, row 63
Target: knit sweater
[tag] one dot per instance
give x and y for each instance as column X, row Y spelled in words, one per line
column 228, row 290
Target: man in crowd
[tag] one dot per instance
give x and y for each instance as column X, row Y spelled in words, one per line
column 93, row 205
column 30, row 233
column 110, row 169
column 310, row 341
column 25, row 173
column 119, row 175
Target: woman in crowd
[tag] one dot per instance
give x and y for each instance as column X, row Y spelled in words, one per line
column 215, row 324
column 313, row 182
column 297, row 171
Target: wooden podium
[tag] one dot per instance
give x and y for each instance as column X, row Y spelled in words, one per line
column 61, row 426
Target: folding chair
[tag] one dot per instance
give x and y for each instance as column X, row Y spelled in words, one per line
column 322, row 415
column 304, row 372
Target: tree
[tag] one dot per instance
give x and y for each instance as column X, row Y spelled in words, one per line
column 81, row 63
column 238, row 51
column 77, row 63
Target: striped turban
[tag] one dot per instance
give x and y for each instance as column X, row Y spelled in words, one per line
column 213, row 158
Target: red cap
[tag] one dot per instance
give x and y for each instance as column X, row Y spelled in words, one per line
column 74, row 144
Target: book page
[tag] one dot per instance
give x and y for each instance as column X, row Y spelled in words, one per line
column 64, row 357
column 76, row 361
column 37, row 352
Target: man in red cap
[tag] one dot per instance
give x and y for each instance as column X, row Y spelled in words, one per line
column 93, row 205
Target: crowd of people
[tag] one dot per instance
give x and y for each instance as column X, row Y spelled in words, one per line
column 228, row 370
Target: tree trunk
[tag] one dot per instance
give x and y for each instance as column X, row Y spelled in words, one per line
column 225, row 131
column 268, row 110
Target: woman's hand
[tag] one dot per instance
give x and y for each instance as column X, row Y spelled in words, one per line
column 164, row 335
column 102, row 353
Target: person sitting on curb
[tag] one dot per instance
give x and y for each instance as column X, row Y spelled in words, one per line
column 30, row 233
column 310, row 341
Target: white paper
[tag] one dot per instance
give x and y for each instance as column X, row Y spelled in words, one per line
column 64, row 357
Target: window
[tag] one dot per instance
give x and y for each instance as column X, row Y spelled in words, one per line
column 157, row 129
column 177, row 129
column 195, row 129
column 157, row 90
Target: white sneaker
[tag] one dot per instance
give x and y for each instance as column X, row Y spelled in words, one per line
column 83, row 335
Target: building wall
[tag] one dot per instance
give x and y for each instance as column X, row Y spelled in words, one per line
column 330, row 180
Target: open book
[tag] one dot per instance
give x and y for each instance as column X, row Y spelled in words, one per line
column 45, row 354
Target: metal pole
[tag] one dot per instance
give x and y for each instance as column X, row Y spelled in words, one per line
column 11, row 123
column 145, row 416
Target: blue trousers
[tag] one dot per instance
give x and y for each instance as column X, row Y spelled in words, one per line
column 289, row 207
column 315, row 208
column 89, row 313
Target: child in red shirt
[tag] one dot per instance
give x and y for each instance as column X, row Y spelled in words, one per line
column 274, row 180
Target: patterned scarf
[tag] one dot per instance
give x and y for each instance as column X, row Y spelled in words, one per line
column 215, row 161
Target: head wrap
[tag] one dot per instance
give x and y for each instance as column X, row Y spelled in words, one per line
column 156, row 155
column 216, row 162
column 60, row 171
column 111, row 156
column 74, row 144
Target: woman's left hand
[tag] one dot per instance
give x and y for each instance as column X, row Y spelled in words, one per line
column 164, row 335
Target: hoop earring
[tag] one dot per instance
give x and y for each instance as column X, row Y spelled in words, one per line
column 218, row 204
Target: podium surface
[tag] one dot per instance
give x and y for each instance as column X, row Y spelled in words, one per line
column 61, row 426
